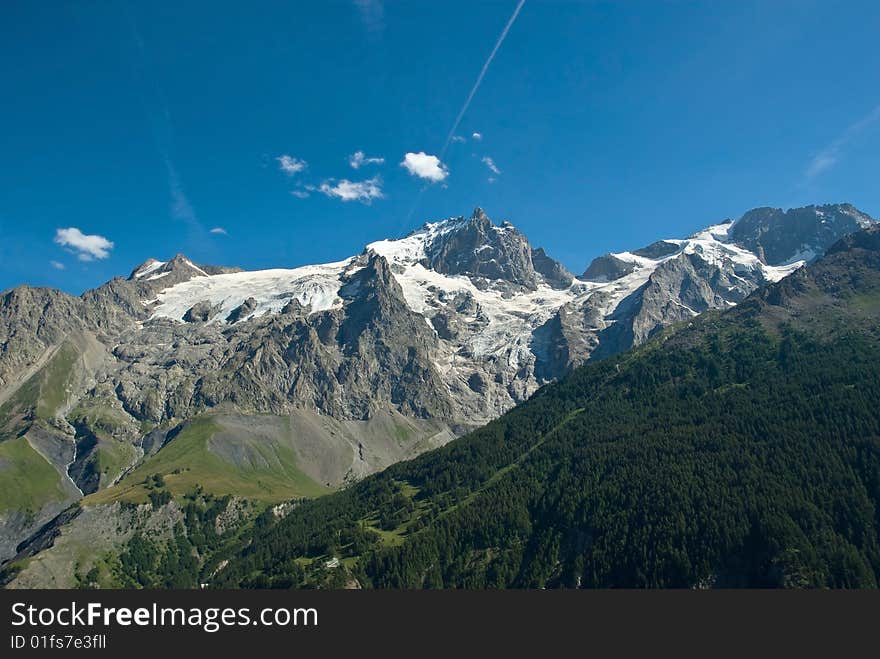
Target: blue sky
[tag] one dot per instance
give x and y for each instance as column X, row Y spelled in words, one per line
column 147, row 125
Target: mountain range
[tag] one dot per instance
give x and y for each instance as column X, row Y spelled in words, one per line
column 741, row 449
column 279, row 384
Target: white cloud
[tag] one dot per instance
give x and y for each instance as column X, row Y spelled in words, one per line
column 363, row 191
column 290, row 165
column 828, row 157
column 300, row 194
column 358, row 159
column 425, row 166
column 86, row 247
column 491, row 165
column 492, row 179
column 459, row 139
column 477, row 136
column 219, row 231
column 57, row 265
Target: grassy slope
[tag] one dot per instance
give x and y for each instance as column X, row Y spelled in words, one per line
column 112, row 456
column 27, row 481
column 44, row 393
column 187, row 461
column 55, row 378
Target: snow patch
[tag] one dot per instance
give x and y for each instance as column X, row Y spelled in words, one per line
column 195, row 267
column 314, row 286
column 150, row 266
column 157, row 276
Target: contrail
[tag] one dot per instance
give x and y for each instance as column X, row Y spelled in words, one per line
column 482, row 75
column 464, row 108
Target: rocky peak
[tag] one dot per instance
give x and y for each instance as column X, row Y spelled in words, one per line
column 554, row 273
column 779, row 236
column 153, row 276
column 475, row 247
column 145, row 268
column 479, row 217
column 179, row 268
column 607, row 268
column 867, row 239
column 657, row 250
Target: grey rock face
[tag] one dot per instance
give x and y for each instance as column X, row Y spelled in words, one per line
column 482, row 251
column 244, row 310
column 607, row 268
column 155, row 274
column 657, row 250
column 677, row 290
column 567, row 339
column 778, row 236
column 554, row 273
column 389, row 346
column 33, row 320
column 201, row 312
column 869, row 240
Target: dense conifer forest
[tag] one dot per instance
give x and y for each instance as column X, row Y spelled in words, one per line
column 740, row 450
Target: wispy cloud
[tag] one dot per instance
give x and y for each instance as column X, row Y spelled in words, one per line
column 156, row 109
column 86, row 247
column 290, row 165
column 220, row 231
column 58, row 265
column 425, row 166
column 491, row 165
column 458, row 139
column 300, row 194
column 372, row 14
column 181, row 209
column 828, row 157
column 358, row 159
column 363, row 191
column 482, row 75
column 477, row 136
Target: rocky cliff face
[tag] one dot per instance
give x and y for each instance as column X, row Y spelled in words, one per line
column 779, row 237
column 483, row 252
column 439, row 331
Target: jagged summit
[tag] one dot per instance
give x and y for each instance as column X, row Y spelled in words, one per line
column 153, row 269
column 145, row 268
column 490, row 255
column 780, row 237
column 484, row 252
column 607, row 267
column 179, row 268
column 776, row 238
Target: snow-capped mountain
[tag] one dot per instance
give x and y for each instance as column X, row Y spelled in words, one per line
column 504, row 317
column 365, row 361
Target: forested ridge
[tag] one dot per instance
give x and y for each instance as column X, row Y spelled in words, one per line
column 741, row 450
